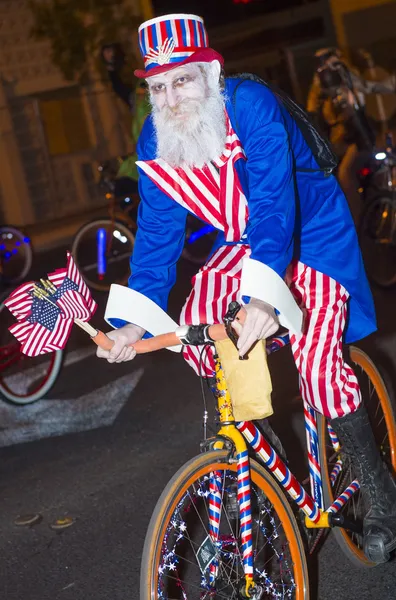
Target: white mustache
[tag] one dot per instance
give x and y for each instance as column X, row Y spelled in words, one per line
column 183, row 107
column 197, row 138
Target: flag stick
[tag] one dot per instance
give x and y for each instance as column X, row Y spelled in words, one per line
column 42, row 294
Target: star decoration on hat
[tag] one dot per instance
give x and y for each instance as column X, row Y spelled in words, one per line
column 163, row 53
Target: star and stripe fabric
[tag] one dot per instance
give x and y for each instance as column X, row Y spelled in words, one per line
column 171, row 39
column 327, row 383
column 44, row 324
column 213, row 193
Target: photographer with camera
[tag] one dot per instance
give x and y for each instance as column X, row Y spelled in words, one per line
column 336, row 100
column 136, row 99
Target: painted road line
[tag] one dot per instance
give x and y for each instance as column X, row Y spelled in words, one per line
column 20, row 382
column 98, row 408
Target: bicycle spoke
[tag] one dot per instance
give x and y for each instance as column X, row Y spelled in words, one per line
column 181, row 562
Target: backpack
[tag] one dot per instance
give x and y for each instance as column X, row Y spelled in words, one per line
column 319, row 146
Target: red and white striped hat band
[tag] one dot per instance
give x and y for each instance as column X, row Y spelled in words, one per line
column 171, row 41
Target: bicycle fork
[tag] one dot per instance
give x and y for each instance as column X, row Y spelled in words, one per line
column 216, row 492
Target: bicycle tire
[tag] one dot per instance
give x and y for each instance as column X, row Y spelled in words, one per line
column 44, row 385
column 377, row 238
column 20, row 240
column 351, row 544
column 84, row 239
column 169, row 502
column 198, row 251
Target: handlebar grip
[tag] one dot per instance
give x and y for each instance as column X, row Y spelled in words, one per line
column 159, row 342
column 165, row 340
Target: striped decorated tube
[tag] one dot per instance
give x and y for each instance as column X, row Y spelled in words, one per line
column 279, row 469
column 215, row 492
column 276, row 343
column 345, row 496
column 333, row 438
column 315, row 474
column 245, row 511
column 336, row 471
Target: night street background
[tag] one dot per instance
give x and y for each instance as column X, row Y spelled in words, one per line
column 109, row 479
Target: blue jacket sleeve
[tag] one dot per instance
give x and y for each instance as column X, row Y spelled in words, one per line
column 270, row 176
column 159, row 241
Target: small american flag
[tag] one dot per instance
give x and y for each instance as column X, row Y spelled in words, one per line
column 44, row 324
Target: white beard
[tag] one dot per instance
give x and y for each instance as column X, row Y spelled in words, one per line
column 197, row 140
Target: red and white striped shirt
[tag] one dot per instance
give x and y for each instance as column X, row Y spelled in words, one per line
column 213, row 193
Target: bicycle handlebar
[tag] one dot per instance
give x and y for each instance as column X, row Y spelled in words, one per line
column 166, row 340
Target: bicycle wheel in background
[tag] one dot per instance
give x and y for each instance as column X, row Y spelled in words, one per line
column 24, row 379
column 377, row 238
column 199, row 240
column 15, row 255
column 102, row 250
column 178, row 550
column 383, row 421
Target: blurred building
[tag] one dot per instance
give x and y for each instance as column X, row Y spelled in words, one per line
column 279, row 40
column 53, row 132
column 277, row 43
column 369, row 25
column 364, row 23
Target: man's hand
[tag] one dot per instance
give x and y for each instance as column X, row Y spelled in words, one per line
column 261, row 322
column 122, row 349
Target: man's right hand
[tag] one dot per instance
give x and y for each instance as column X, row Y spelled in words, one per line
column 123, row 338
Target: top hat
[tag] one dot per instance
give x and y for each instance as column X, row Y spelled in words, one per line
column 172, row 41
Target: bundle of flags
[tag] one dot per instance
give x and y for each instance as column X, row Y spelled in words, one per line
column 46, row 311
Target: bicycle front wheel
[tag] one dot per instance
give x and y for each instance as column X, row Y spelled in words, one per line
column 377, row 237
column 179, row 552
column 102, row 250
column 24, row 379
column 15, row 255
column 337, row 471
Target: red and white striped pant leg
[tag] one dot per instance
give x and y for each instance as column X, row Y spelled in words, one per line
column 327, row 383
column 214, row 287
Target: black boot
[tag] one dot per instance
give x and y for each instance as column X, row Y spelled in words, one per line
column 377, row 485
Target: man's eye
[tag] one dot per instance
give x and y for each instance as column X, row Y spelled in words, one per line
column 182, row 80
column 158, row 88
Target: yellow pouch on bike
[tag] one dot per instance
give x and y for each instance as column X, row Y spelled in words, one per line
column 248, row 381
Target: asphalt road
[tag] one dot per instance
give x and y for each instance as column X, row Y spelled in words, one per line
column 109, row 478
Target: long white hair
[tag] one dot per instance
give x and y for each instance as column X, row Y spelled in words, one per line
column 199, row 139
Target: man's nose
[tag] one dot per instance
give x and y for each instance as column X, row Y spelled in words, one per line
column 171, row 97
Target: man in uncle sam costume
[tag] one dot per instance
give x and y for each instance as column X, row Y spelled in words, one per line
column 228, row 151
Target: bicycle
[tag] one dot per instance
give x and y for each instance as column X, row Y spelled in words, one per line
column 23, row 379
column 377, row 230
column 224, row 526
column 102, row 248
column 15, row 255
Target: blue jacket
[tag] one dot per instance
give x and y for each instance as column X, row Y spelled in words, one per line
column 291, row 213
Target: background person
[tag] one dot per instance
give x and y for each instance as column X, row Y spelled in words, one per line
column 337, row 101
column 137, row 101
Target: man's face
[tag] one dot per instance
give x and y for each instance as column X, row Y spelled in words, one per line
column 188, row 114
column 178, row 93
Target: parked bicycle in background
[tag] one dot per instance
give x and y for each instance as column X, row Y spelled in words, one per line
column 102, row 248
column 15, row 255
column 23, row 379
column 377, row 230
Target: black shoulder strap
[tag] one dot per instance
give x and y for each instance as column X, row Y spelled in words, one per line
column 320, row 147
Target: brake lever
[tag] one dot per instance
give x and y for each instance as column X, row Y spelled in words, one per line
column 229, row 318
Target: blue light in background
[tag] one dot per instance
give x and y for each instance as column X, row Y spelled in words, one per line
column 101, row 251
column 195, row 235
